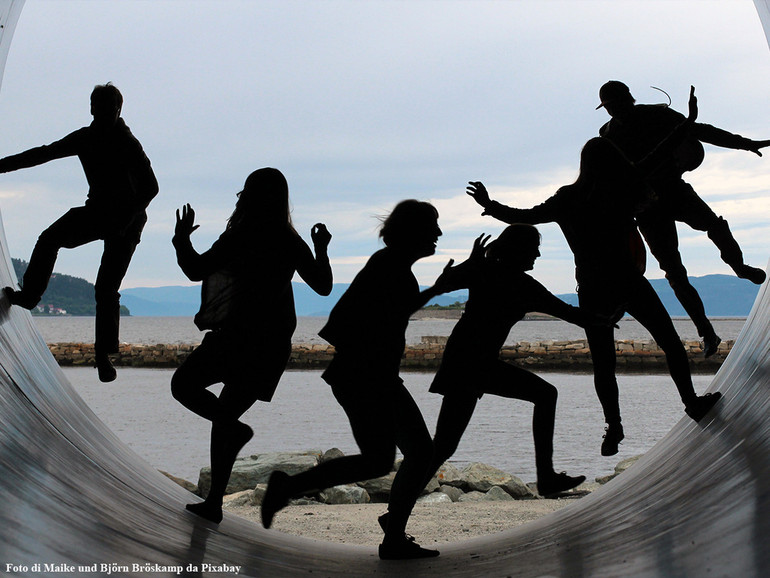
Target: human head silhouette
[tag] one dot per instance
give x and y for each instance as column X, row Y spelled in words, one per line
column 106, row 104
column 616, row 99
column 517, row 246
column 265, row 196
column 603, row 162
column 412, row 227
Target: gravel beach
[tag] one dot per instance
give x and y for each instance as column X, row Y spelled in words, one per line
column 430, row 523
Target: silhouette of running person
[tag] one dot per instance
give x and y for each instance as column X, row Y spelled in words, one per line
column 367, row 328
column 121, row 184
column 500, row 294
column 596, row 215
column 637, row 129
column 247, row 303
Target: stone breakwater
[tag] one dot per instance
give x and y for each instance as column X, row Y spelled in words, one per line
column 475, row 482
column 632, row 356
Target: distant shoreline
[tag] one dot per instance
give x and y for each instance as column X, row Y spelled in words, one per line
column 637, row 356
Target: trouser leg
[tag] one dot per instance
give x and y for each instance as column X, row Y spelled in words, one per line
column 116, row 258
column 453, row 418
column 729, row 250
column 514, row 382
column 647, row 309
column 73, row 229
column 660, row 233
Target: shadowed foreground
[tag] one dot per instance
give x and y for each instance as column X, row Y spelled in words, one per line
column 74, row 494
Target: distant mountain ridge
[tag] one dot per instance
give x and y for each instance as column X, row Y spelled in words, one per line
column 65, row 295
column 723, row 296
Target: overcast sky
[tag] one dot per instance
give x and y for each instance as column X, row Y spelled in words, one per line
column 364, row 103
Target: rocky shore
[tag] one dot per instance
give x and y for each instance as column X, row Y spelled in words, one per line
column 632, row 355
column 476, row 482
column 456, row 505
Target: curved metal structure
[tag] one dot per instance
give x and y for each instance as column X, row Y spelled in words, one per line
column 76, row 500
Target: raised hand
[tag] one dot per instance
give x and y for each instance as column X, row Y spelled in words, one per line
column 692, row 105
column 185, row 222
column 445, row 281
column 478, row 191
column 320, row 236
column 479, row 247
column 758, row 144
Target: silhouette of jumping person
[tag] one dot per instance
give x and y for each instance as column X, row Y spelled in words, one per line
column 637, row 129
column 247, row 304
column 121, row 184
column 367, row 328
column 596, row 215
column 500, row 294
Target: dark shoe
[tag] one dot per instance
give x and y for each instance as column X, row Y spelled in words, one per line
column 207, row 511
column 383, row 522
column 612, row 437
column 5, row 307
column 404, row 549
column 276, row 497
column 558, row 483
column 753, row 274
column 702, row 405
column 711, row 344
column 107, row 373
column 18, row 298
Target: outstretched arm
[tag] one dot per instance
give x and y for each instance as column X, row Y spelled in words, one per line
column 454, row 277
column 440, row 287
column 316, row 271
column 552, row 305
column 546, row 212
column 66, row 147
column 721, row 138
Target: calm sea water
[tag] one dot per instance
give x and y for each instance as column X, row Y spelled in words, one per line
column 304, row 415
column 174, row 330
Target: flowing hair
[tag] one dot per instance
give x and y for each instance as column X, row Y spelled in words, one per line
column 264, row 198
column 405, row 218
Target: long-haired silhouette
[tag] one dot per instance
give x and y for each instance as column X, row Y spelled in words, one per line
column 247, row 304
column 596, row 215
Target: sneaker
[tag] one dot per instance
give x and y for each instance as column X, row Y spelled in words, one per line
column 558, row 483
column 711, row 344
column 404, row 549
column 17, row 297
column 107, row 373
column 702, row 405
column 206, row 510
column 753, row 274
column 276, row 497
column 613, row 436
column 5, row 307
column 383, row 521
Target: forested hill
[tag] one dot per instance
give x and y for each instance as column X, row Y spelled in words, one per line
column 66, row 295
column 723, row 296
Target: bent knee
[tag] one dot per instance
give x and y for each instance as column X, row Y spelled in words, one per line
column 378, row 464
column 178, row 385
column 550, row 394
column 443, row 449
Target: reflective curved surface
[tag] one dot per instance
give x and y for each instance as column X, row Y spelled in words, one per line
column 696, row 504
column 76, row 498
